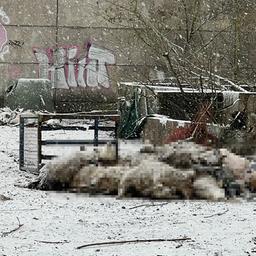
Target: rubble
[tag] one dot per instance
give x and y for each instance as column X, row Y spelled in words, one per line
column 12, row 117
column 53, row 123
column 8, row 116
column 4, row 198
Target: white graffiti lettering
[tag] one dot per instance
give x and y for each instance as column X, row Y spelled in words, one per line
column 98, row 68
column 4, row 19
column 81, row 68
column 43, row 60
column 59, row 65
column 71, row 54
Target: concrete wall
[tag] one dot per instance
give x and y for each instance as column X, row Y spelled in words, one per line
column 31, row 31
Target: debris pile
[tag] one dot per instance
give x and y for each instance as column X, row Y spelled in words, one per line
column 9, row 117
column 12, row 117
column 181, row 170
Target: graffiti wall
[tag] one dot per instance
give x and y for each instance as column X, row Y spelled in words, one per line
column 67, row 68
column 34, row 45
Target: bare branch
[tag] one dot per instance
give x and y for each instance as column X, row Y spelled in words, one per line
column 4, row 234
column 134, row 241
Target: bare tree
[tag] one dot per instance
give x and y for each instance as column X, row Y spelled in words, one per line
column 185, row 37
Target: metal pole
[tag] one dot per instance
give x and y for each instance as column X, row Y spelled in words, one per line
column 56, row 47
column 39, row 142
column 116, row 137
column 21, row 153
column 96, row 132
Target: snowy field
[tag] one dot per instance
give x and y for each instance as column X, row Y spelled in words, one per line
column 57, row 223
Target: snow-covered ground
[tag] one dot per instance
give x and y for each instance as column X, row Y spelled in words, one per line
column 57, row 223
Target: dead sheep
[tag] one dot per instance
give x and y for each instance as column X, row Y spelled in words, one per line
column 187, row 154
column 99, row 179
column 57, row 174
column 155, row 179
column 236, row 164
column 107, row 154
column 206, row 187
column 252, row 182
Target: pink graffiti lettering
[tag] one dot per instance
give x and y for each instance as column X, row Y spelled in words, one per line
column 63, row 67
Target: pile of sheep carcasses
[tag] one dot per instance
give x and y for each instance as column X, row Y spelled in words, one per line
column 181, row 170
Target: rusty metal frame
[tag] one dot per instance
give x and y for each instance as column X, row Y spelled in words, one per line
column 96, row 116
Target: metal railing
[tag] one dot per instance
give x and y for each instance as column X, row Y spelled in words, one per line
column 32, row 127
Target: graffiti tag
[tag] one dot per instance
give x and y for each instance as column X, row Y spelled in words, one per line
column 16, row 43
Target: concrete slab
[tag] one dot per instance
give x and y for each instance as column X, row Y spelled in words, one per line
column 27, row 12
column 32, row 94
